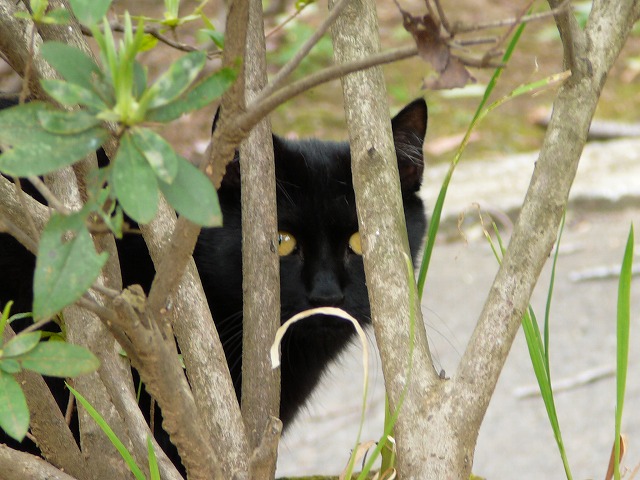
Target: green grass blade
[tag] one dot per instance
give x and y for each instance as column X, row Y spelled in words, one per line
column 547, row 310
column 623, row 323
column 128, row 458
column 538, row 353
column 480, row 113
column 154, row 471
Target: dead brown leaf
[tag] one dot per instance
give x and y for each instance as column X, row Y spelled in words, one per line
column 433, row 48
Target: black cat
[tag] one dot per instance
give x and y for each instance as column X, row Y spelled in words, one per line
column 321, row 263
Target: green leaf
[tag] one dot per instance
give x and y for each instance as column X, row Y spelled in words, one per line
column 20, row 344
column 149, row 43
column 71, row 94
column 10, row 365
column 4, row 316
column 199, row 96
column 212, row 34
column 66, row 266
column 134, row 182
column 89, row 12
column 160, row 155
column 154, row 471
column 193, row 195
column 14, row 413
column 176, row 79
column 60, row 359
column 128, row 458
column 71, row 63
column 622, row 345
column 34, row 150
column 66, row 123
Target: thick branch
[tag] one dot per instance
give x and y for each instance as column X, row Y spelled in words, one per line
column 16, row 465
column 260, row 260
column 156, row 359
column 201, row 350
column 383, row 232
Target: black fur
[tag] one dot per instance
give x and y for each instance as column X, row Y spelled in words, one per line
column 315, row 201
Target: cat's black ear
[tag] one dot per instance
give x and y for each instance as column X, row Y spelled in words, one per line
column 409, row 128
column 231, row 178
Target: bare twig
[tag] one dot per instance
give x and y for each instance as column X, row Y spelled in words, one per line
column 292, row 16
column 36, row 326
column 443, row 18
column 109, row 292
column 571, row 34
column 16, row 232
column 503, row 38
column 303, row 51
column 48, row 195
column 68, row 414
column 259, row 109
column 157, row 33
column 560, row 8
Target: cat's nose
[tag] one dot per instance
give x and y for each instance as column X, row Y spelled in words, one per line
column 326, row 291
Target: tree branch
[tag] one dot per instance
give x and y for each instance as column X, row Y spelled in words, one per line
column 384, row 236
column 16, row 465
column 260, row 260
column 572, row 36
column 201, row 349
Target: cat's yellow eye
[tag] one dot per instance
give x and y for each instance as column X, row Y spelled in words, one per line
column 354, row 243
column 286, row 243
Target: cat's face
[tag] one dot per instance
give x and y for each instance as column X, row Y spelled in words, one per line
column 320, row 255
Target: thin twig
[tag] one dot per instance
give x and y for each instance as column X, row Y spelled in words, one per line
column 36, row 326
column 51, row 199
column 68, row 414
column 507, row 33
column 443, row 18
column 459, row 28
column 109, row 292
column 287, row 20
column 468, row 42
column 156, row 33
column 572, row 36
column 292, row 64
column 16, row 232
column 261, row 107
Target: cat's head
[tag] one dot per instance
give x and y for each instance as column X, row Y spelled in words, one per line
column 321, row 262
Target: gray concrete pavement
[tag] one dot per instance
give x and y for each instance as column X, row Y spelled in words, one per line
column 516, row 440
